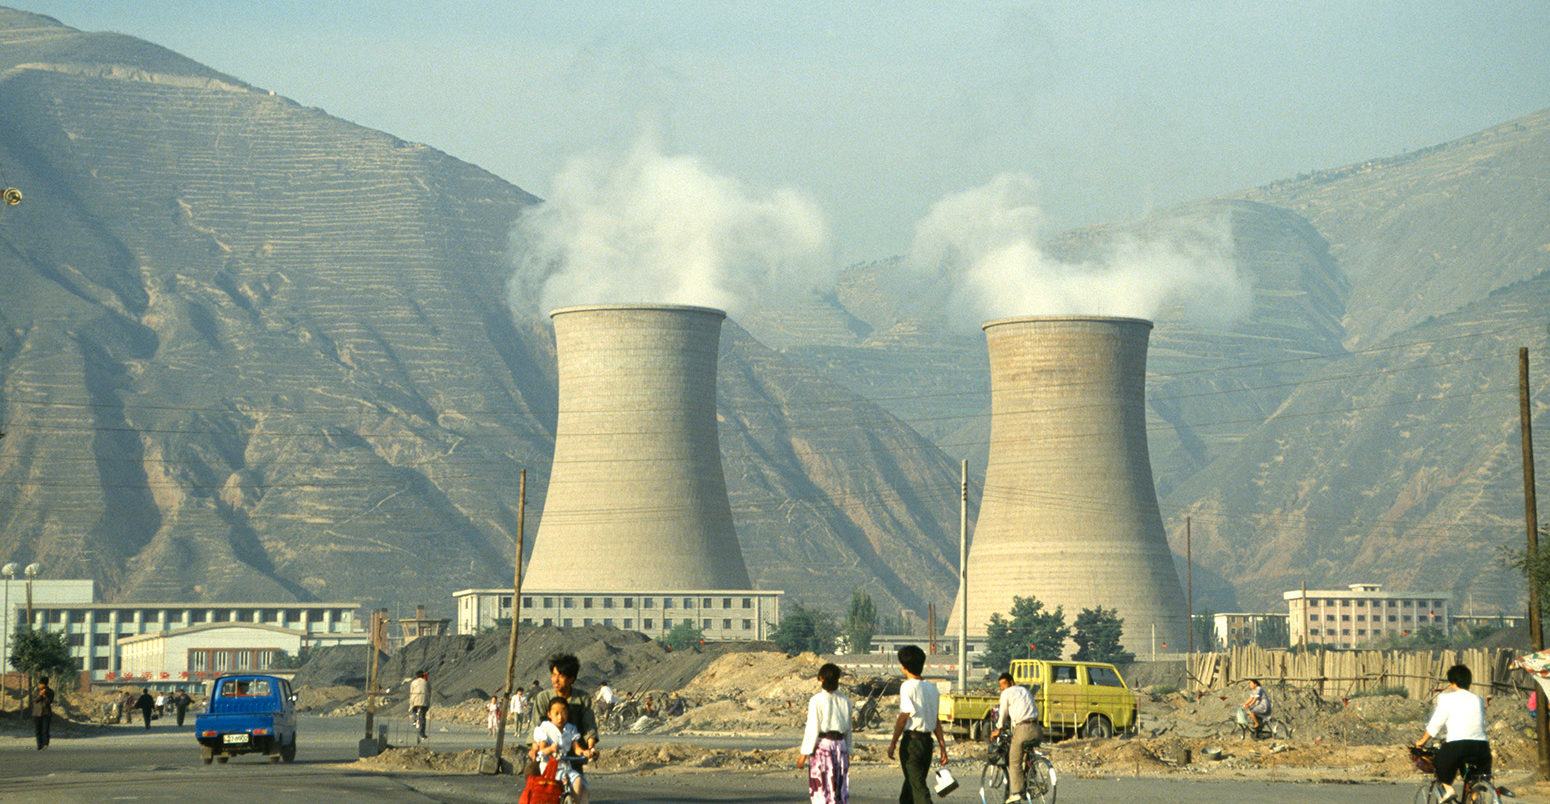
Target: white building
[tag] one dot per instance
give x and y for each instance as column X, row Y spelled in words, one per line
column 724, row 615
column 1360, row 614
column 206, row 651
column 95, row 631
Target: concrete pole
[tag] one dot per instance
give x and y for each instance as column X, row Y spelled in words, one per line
column 371, row 673
column 516, row 618
column 963, row 578
column 1531, row 515
column 1189, row 572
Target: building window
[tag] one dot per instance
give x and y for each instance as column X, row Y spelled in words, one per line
column 1345, row 618
column 1361, row 618
column 587, row 621
column 1313, row 618
column 747, row 625
column 608, row 602
column 667, row 622
column 1329, row 618
column 1345, row 632
column 527, row 602
column 646, row 624
column 505, row 601
column 1313, row 631
column 726, row 602
column 527, row 620
column 667, row 602
column 548, row 621
column 548, row 602
column 726, row 624
column 586, row 602
column 747, row 602
column 629, row 602
column 706, row 603
column 688, row 602
column 705, row 624
column 1392, row 618
column 628, row 623
column 569, row 602
column 567, row 622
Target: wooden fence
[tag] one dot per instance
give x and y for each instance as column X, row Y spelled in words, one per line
column 1338, row 674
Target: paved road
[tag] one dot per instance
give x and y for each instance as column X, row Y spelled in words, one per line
column 131, row 764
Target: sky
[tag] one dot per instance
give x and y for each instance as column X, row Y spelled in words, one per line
column 876, row 111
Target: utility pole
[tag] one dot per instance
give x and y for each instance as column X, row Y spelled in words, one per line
column 963, row 578
column 1531, row 514
column 1189, row 572
column 516, row 618
column 368, row 746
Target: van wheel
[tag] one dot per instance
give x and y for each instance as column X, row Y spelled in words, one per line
column 288, row 751
column 1098, row 727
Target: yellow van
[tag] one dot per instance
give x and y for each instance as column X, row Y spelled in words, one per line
column 1075, row 699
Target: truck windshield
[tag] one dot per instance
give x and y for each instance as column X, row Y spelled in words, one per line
column 254, row 688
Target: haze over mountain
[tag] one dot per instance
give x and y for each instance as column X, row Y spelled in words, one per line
column 248, row 350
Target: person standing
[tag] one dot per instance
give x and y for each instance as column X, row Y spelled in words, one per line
column 180, row 704
column 492, row 713
column 917, row 724
column 519, row 707
column 563, row 669
column 42, row 711
column 1462, row 714
column 420, row 701
column 826, row 741
column 145, row 703
column 1021, row 714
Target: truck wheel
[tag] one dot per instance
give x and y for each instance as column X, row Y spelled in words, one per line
column 222, row 759
column 1099, row 727
column 206, row 753
column 288, row 751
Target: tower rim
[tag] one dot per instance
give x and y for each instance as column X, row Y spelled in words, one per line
column 1038, row 319
column 675, row 308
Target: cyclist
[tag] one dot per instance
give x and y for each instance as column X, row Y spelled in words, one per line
column 420, row 701
column 604, row 699
column 1018, row 712
column 1462, row 713
column 1258, row 704
column 563, row 669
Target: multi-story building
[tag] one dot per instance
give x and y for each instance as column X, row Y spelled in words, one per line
column 96, row 631
column 724, row 615
column 1233, row 629
column 1361, row 614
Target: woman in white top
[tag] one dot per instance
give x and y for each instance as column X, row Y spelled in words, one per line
column 1462, row 713
column 826, row 741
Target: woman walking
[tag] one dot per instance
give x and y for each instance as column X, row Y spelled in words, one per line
column 826, row 741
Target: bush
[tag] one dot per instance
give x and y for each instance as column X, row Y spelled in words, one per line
column 683, row 635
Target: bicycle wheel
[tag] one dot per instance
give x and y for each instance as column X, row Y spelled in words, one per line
column 1280, row 731
column 1482, row 793
column 1041, row 780
column 1427, row 793
column 992, row 784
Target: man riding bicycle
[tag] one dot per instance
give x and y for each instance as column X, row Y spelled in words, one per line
column 420, row 701
column 563, row 669
column 1018, row 711
column 1462, row 714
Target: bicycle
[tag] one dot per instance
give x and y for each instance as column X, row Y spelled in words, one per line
column 1038, row 773
column 1268, row 727
column 1476, row 787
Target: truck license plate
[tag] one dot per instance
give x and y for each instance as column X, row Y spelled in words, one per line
column 234, row 738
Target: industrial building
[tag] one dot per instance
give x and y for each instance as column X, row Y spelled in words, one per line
column 636, row 493
column 186, row 655
column 1361, row 613
column 723, row 615
column 1069, row 512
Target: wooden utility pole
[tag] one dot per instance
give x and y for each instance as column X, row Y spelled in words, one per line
column 516, row 618
column 378, row 618
column 1531, row 515
column 1189, row 573
column 963, row 578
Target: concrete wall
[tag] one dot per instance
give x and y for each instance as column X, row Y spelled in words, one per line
column 636, row 492
column 1069, row 513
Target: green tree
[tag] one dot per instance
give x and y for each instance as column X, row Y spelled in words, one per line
column 804, row 629
column 1032, row 633
column 1271, row 632
column 1204, row 623
column 861, row 622
column 683, row 635
column 1097, row 633
column 1536, row 569
column 42, row 653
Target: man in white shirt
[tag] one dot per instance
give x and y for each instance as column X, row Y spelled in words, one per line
column 605, row 700
column 917, row 724
column 420, row 700
column 1020, row 713
column 1462, row 713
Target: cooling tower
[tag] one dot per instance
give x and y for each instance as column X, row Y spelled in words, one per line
column 1069, row 513
column 636, row 496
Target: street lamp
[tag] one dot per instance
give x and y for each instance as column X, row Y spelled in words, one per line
column 9, row 571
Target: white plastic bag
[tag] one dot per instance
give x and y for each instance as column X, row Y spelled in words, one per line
column 945, row 783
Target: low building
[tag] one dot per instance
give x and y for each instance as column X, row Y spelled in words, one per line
column 94, row 631
column 1361, row 614
column 724, row 615
column 205, row 651
column 1235, row 629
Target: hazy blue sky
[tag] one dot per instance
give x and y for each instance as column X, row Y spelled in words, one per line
column 878, row 109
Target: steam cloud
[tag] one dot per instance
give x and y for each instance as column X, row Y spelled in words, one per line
column 988, row 248
column 645, row 227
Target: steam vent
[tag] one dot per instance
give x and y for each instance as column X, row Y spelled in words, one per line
column 1069, row 513
column 636, row 494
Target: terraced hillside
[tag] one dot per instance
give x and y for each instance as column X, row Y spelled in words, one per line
column 248, row 350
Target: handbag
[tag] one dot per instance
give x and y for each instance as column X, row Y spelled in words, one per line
column 945, row 783
column 543, row 789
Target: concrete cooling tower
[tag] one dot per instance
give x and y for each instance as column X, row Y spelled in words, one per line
column 1069, row 513
column 636, row 498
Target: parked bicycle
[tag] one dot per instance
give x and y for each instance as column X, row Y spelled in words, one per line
column 1474, row 786
column 1038, row 772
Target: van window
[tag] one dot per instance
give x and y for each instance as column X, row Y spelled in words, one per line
column 1103, row 677
column 1063, row 674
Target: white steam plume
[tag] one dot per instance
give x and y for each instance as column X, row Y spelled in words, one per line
column 644, row 227
column 987, row 249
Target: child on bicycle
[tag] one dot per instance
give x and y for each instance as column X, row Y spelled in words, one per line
column 556, row 738
column 1462, row 713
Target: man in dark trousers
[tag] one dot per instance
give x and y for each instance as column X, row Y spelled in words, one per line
column 145, row 703
column 42, row 711
column 180, row 704
column 917, row 725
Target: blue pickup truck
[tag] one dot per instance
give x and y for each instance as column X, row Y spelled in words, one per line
column 248, row 714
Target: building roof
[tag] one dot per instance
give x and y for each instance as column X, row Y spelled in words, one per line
column 295, row 632
column 201, row 604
